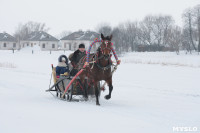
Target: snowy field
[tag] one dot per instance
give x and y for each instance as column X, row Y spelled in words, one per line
column 153, row 92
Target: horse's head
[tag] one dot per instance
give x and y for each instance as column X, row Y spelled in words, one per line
column 106, row 46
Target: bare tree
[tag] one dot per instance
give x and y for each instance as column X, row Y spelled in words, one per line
column 124, row 37
column 117, row 39
column 23, row 30
column 174, row 34
column 156, row 33
column 104, row 28
column 188, row 19
column 145, row 33
column 166, row 22
column 186, row 40
column 197, row 23
column 131, row 33
column 63, row 34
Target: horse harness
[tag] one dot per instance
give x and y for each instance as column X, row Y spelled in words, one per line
column 95, row 60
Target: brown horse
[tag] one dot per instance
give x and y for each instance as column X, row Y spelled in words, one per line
column 101, row 69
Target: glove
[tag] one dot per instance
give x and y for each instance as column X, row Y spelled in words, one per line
column 86, row 63
column 118, row 62
column 66, row 73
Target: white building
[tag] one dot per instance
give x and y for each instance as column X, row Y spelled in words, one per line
column 42, row 39
column 8, row 42
column 72, row 41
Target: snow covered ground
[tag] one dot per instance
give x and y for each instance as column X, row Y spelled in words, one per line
column 153, row 92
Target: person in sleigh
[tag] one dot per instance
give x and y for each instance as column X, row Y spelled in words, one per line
column 62, row 68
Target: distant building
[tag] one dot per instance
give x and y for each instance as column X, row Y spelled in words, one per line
column 8, row 42
column 42, row 39
column 72, row 41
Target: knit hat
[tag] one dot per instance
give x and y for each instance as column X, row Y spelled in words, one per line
column 81, row 45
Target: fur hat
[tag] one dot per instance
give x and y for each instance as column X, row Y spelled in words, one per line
column 81, row 45
column 60, row 59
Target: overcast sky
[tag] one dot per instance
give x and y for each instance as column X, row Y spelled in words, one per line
column 72, row 15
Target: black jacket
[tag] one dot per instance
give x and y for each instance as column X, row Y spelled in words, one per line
column 77, row 56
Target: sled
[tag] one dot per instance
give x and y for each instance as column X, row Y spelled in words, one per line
column 76, row 89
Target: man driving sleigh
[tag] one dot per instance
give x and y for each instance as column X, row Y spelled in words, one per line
column 75, row 57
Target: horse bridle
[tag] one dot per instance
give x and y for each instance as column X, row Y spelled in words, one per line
column 106, row 42
column 103, row 56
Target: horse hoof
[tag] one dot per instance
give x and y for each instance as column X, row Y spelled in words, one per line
column 97, row 104
column 86, row 99
column 107, row 97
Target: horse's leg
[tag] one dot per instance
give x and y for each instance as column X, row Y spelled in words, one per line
column 96, row 92
column 84, row 85
column 109, row 82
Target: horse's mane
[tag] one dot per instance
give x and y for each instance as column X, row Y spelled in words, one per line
column 107, row 38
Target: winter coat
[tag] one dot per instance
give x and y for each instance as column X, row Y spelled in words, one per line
column 61, row 68
column 77, row 56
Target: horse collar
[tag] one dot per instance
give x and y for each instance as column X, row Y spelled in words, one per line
column 101, row 67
